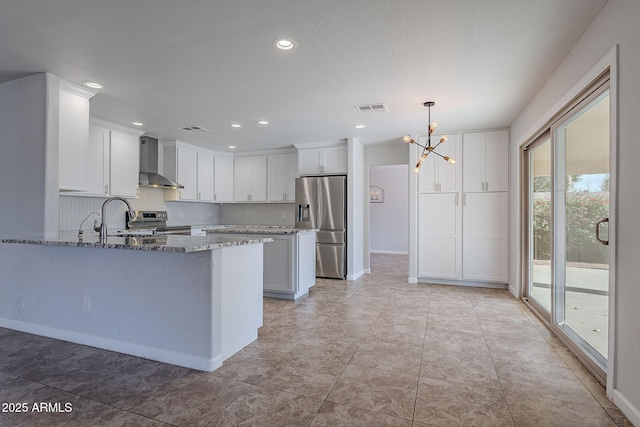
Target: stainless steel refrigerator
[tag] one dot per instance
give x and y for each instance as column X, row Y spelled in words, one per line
column 321, row 203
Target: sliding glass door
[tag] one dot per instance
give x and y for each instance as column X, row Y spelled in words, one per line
column 567, row 234
column 581, row 215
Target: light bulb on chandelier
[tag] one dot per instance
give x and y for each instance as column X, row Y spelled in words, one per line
column 428, row 149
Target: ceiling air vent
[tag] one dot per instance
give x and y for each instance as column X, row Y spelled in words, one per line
column 372, row 108
column 196, row 129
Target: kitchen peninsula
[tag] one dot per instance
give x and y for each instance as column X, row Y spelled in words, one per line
column 186, row 300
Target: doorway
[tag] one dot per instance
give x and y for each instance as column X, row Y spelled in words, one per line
column 389, row 209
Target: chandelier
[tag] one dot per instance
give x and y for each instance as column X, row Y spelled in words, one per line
column 428, row 149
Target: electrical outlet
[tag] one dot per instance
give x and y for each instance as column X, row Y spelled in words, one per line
column 284, row 214
column 86, row 303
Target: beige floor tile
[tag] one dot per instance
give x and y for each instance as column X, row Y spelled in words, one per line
column 542, row 380
column 544, row 412
column 389, row 356
column 259, row 406
column 444, row 403
column 303, row 375
column 523, row 350
column 322, row 345
column 454, row 341
column 450, row 322
column 618, row 417
column 401, row 334
column 333, row 415
column 461, row 368
column 376, row 390
column 192, row 400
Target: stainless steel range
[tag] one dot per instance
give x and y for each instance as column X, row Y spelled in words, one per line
column 152, row 222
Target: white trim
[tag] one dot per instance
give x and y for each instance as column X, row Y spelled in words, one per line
column 355, row 276
column 367, row 271
column 412, row 280
column 152, row 353
column 383, row 251
column 627, row 408
column 336, row 143
column 514, row 292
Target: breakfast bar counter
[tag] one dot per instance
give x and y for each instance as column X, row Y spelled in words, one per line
column 186, row 300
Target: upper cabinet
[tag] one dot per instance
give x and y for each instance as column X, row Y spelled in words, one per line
column 112, row 160
column 223, row 179
column 324, row 160
column 486, row 161
column 249, row 179
column 282, row 173
column 192, row 167
column 73, row 136
column 437, row 175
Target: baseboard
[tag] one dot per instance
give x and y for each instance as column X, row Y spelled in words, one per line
column 367, row 271
column 627, row 408
column 382, row 251
column 513, row 291
column 355, row 276
column 152, row 353
column 412, row 280
column 455, row 282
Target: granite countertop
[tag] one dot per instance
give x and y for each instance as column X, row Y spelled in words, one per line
column 162, row 243
column 254, row 229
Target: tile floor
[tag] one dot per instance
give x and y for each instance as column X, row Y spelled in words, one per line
column 371, row 352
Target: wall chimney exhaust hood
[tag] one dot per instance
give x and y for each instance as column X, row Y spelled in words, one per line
column 149, row 176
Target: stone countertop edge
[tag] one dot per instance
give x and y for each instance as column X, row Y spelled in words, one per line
column 168, row 243
column 248, row 229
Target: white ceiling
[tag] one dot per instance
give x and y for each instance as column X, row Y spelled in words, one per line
column 171, row 64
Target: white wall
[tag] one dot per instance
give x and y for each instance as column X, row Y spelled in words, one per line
column 616, row 25
column 383, row 154
column 389, row 220
column 357, row 196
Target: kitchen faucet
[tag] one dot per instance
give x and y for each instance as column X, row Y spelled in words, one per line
column 103, row 223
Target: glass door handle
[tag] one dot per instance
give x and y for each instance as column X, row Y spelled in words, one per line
column 604, row 242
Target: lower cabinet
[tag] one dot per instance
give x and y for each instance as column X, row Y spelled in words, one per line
column 440, row 241
column 289, row 263
column 485, row 243
column 463, row 237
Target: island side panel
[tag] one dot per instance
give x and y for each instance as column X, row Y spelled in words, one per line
column 157, row 305
column 241, row 276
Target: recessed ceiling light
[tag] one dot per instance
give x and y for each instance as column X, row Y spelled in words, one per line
column 284, row 43
column 232, row 146
column 236, row 125
column 92, row 85
column 359, row 126
column 137, row 124
column 263, row 122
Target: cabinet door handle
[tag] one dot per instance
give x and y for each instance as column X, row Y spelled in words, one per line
column 106, row 189
column 215, row 196
column 456, row 199
column 179, row 194
column 486, row 186
column 199, row 195
column 435, row 187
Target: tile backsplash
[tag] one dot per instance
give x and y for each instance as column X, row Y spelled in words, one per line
column 257, row 214
column 73, row 209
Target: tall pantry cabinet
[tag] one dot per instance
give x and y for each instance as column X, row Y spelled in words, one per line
column 462, row 210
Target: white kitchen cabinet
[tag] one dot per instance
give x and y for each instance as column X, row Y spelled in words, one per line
column 324, row 160
column 223, row 179
column 440, row 236
column 192, row 167
column 436, row 174
column 282, row 173
column 73, row 136
column 485, row 242
column 485, row 161
column 112, row 160
column 250, row 179
column 205, row 176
